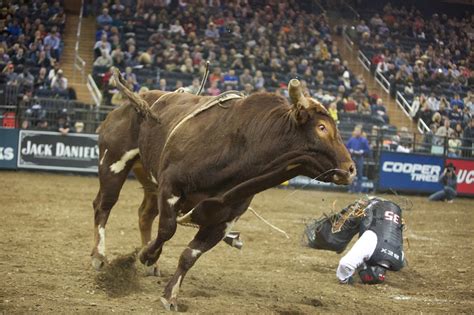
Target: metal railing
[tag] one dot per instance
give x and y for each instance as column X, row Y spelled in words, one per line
column 29, row 114
column 347, row 40
column 403, row 104
column 79, row 63
column 94, row 90
column 382, row 81
column 353, row 11
column 320, row 6
column 364, row 60
column 407, row 108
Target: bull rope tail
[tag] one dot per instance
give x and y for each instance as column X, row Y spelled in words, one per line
column 268, row 223
column 140, row 105
column 204, row 79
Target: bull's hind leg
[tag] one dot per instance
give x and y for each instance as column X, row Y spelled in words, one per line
column 150, row 254
column 205, row 239
column 148, row 210
column 112, row 174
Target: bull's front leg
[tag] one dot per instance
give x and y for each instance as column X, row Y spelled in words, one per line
column 205, row 239
column 150, row 254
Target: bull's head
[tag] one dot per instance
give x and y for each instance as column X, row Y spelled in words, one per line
column 334, row 163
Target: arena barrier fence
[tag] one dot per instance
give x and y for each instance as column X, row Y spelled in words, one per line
column 8, row 148
column 420, row 173
column 385, row 170
column 45, row 150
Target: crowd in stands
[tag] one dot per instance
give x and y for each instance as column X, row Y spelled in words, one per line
column 30, row 48
column 428, row 59
column 258, row 48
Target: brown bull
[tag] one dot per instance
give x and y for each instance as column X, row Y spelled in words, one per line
column 208, row 167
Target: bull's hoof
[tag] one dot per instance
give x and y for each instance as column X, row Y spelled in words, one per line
column 146, row 258
column 98, row 262
column 169, row 305
column 152, row 271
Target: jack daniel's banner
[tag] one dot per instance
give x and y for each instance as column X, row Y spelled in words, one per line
column 53, row 151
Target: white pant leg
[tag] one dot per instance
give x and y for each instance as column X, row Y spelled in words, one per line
column 360, row 252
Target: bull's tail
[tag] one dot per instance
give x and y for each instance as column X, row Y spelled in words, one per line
column 140, row 105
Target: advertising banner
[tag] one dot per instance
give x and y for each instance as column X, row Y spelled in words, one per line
column 8, row 148
column 410, row 172
column 465, row 175
column 53, row 151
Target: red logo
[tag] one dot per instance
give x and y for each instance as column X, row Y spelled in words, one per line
column 465, row 175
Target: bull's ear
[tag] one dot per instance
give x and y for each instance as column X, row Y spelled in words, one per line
column 298, row 101
column 320, row 107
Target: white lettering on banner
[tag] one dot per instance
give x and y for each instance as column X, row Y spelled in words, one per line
column 78, row 152
column 419, row 172
column 6, row 154
column 37, row 149
column 465, row 176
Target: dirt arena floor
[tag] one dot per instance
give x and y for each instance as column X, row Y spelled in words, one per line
column 46, row 238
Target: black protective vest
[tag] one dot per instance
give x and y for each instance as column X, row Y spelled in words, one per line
column 385, row 219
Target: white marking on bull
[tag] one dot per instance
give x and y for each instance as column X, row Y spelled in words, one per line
column 101, row 246
column 229, row 226
column 103, row 157
column 153, row 179
column 118, row 166
column 175, row 290
column 171, row 201
column 195, row 252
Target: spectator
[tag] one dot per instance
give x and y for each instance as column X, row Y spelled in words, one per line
column 258, row 80
column 358, row 146
column 443, row 132
column 194, row 87
column 59, row 82
column 10, row 74
column 104, row 18
column 213, row 90
column 79, row 127
column 53, row 41
column 42, row 81
column 449, row 181
column 245, row 78
column 230, row 79
column 25, row 78
column 378, row 109
column 63, row 122
column 162, row 85
column 457, row 101
column 333, row 111
column 104, row 60
column 212, row 32
column 102, row 45
column 468, row 139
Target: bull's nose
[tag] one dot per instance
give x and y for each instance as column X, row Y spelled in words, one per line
column 352, row 170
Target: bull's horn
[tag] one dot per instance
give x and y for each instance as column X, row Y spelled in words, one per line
column 296, row 94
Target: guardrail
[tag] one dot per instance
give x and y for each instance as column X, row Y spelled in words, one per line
column 382, row 81
column 407, row 109
column 403, row 104
column 94, row 90
column 422, row 126
column 352, row 10
column 320, row 6
column 79, row 63
column 364, row 60
column 347, row 40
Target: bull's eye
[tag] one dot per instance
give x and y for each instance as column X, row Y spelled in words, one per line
column 322, row 128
